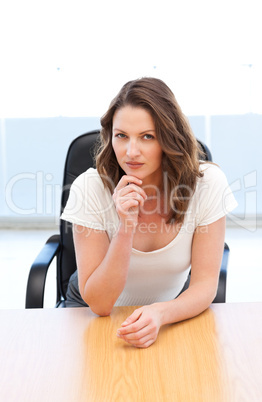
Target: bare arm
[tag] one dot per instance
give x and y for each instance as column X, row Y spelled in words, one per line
column 142, row 327
column 207, row 253
column 103, row 265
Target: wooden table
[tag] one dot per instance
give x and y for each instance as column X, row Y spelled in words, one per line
column 72, row 355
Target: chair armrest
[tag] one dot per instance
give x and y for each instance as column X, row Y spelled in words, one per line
column 221, row 290
column 37, row 275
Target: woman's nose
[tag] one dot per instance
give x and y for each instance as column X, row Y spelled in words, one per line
column 132, row 149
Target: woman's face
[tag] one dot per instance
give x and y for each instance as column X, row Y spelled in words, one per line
column 134, row 141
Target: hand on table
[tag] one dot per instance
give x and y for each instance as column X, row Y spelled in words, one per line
column 141, row 328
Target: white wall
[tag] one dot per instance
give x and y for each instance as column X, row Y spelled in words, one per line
column 33, row 152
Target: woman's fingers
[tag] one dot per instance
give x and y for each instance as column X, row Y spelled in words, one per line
column 128, row 196
column 142, row 338
column 130, row 183
column 125, row 180
column 142, row 342
column 130, row 190
column 128, row 207
column 132, row 318
column 134, row 336
column 123, row 198
column 141, row 328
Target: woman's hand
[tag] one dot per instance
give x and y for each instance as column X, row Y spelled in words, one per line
column 128, row 197
column 141, row 328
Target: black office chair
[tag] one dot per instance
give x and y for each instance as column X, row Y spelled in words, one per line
column 79, row 159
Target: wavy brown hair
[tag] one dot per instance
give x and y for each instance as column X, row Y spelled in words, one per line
column 180, row 162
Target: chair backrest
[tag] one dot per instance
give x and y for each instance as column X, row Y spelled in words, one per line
column 79, row 158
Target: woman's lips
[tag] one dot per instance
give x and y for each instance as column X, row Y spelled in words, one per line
column 134, row 165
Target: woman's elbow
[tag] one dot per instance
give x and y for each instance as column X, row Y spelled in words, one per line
column 97, row 303
column 211, row 295
column 101, row 311
column 98, row 308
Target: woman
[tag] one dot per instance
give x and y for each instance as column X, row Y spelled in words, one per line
column 149, row 213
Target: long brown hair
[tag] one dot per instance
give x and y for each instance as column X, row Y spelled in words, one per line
column 180, row 161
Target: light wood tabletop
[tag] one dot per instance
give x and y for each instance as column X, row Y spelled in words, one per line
column 73, row 355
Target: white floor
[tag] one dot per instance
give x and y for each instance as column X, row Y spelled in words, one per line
column 18, row 248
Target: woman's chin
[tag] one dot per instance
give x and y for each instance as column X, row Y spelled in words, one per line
column 134, row 173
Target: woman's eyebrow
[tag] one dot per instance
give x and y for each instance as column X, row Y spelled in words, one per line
column 147, row 131
column 142, row 132
column 118, row 129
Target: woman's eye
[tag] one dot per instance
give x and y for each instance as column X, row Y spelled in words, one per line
column 120, row 135
column 148, row 137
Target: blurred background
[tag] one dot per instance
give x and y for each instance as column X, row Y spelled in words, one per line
column 61, row 64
